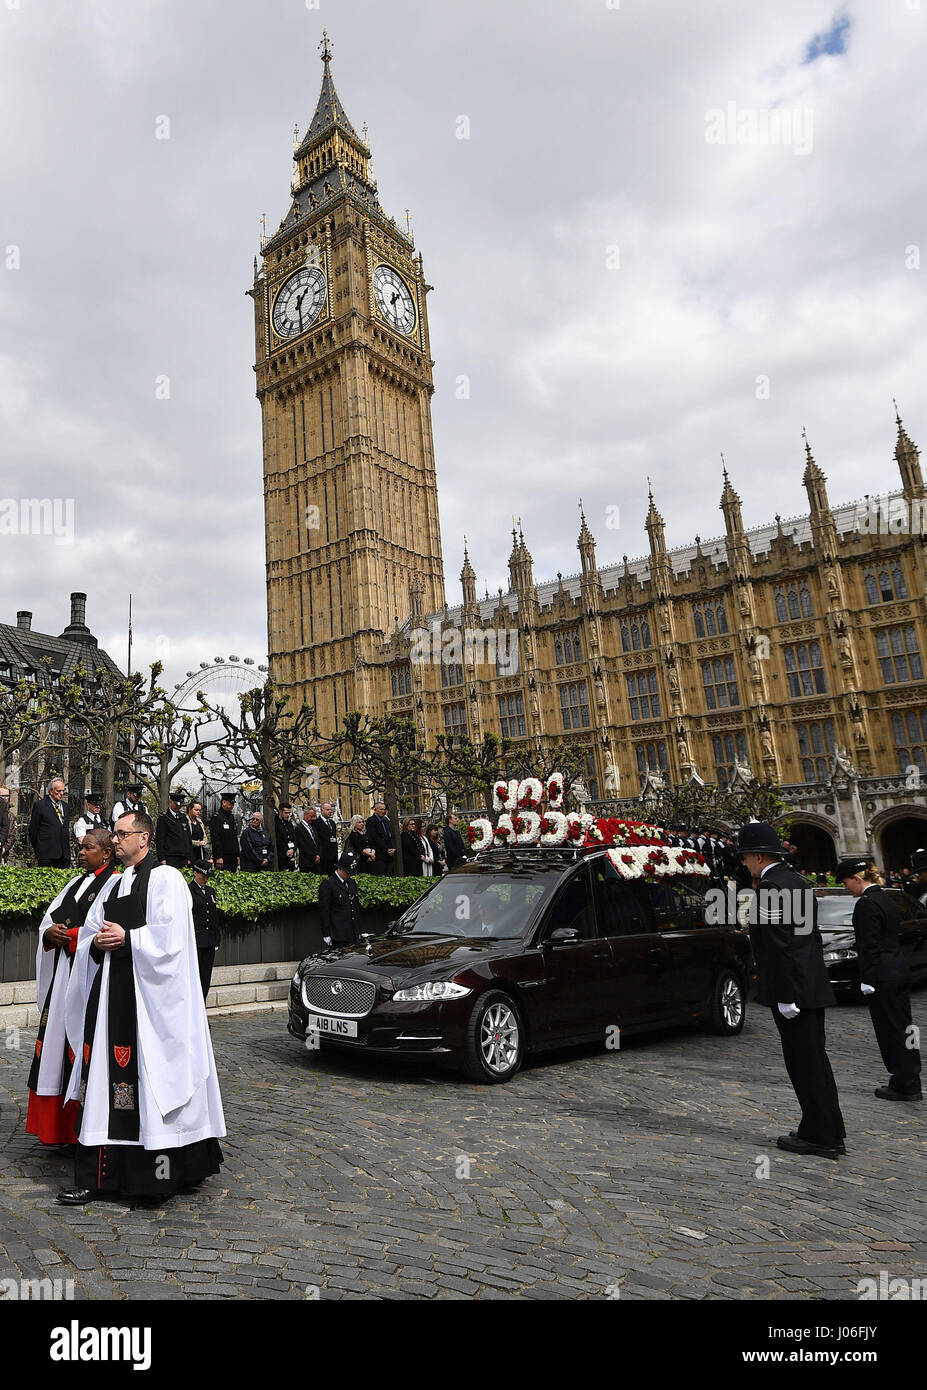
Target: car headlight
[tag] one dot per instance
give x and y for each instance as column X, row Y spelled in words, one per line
column 296, row 978
column 435, row 989
column 840, row 954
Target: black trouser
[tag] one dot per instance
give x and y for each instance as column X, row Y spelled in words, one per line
column 206, row 956
column 890, row 1011
column 807, row 1064
column 176, row 861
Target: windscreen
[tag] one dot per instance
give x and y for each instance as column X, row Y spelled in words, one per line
column 478, row 905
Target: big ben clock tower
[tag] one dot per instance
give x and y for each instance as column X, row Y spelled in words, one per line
column 344, row 379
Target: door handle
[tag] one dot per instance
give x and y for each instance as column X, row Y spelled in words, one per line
column 601, row 955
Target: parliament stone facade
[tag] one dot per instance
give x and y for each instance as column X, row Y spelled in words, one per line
column 791, row 652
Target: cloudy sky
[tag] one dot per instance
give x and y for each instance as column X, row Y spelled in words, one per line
column 634, row 270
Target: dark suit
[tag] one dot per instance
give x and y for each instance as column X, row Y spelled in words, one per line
column 306, row 839
column 790, row 970
column 206, row 930
column 877, row 927
column 48, row 835
column 381, row 839
column 339, row 910
column 283, row 834
column 256, row 846
column 454, row 847
column 173, row 843
column 328, row 840
column 223, row 833
column 411, row 854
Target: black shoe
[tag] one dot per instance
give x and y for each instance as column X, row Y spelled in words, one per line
column 77, row 1196
column 889, row 1093
column 840, row 1146
column 793, row 1145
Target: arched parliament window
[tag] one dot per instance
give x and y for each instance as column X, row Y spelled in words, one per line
column 574, row 705
column 804, row 668
column 719, row 678
column 651, row 757
column 568, row 647
column 793, row 601
column 885, row 582
column 899, row 655
column 401, row 680
column 814, row 740
column 455, row 722
column 909, row 731
column 710, row 619
column 635, row 634
column 512, row 716
column 643, row 695
column 727, row 748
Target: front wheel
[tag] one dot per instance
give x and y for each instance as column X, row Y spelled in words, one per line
column 728, row 1005
column 495, row 1039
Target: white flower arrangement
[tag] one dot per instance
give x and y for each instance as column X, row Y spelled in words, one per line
column 505, row 831
column 629, row 863
column 530, row 793
column 557, row 835
column 530, row 832
column 555, row 791
column 504, row 795
column 480, row 834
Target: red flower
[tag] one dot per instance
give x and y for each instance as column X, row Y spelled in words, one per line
column 627, row 859
column 649, row 869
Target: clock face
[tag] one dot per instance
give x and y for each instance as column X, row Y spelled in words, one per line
column 299, row 302
column 394, row 298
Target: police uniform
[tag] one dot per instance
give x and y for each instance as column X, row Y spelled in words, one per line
column 885, row 982
column 339, row 909
column 173, row 844
column 205, row 923
column 792, row 981
column 223, row 832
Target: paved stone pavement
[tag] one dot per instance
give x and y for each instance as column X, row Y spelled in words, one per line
column 593, row 1174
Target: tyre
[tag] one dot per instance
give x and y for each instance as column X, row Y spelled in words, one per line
column 728, row 1005
column 495, row 1044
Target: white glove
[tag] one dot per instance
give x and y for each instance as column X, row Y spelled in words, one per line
column 867, row 989
column 789, row 1010
column 327, row 940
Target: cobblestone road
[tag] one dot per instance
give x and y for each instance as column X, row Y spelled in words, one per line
column 591, row 1172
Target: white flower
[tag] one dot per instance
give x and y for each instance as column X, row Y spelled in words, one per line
column 557, row 836
column 482, row 834
column 531, row 832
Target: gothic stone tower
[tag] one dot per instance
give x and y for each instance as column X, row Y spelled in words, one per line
column 344, row 377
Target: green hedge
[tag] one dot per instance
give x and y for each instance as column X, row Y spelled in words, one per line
column 246, row 896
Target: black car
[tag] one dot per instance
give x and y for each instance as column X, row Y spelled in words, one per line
column 521, row 951
column 835, row 919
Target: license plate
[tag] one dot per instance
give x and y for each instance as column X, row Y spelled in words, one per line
column 337, row 1027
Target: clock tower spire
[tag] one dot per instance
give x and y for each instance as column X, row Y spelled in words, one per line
column 344, row 378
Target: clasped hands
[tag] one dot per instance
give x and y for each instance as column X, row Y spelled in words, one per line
column 110, row 936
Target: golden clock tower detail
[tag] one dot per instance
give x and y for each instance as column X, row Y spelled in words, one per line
column 344, row 377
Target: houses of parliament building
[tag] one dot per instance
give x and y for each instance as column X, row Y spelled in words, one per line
column 791, row 651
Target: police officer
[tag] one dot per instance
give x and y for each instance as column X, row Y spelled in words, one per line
column 339, row 910
column 91, row 818
column 917, row 884
column 173, row 845
column 223, row 832
column 132, row 803
column 884, row 977
column 791, row 978
column 205, row 921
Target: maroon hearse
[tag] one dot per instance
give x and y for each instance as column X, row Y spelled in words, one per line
column 523, row 950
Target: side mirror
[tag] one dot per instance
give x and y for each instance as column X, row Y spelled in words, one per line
column 564, row 934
